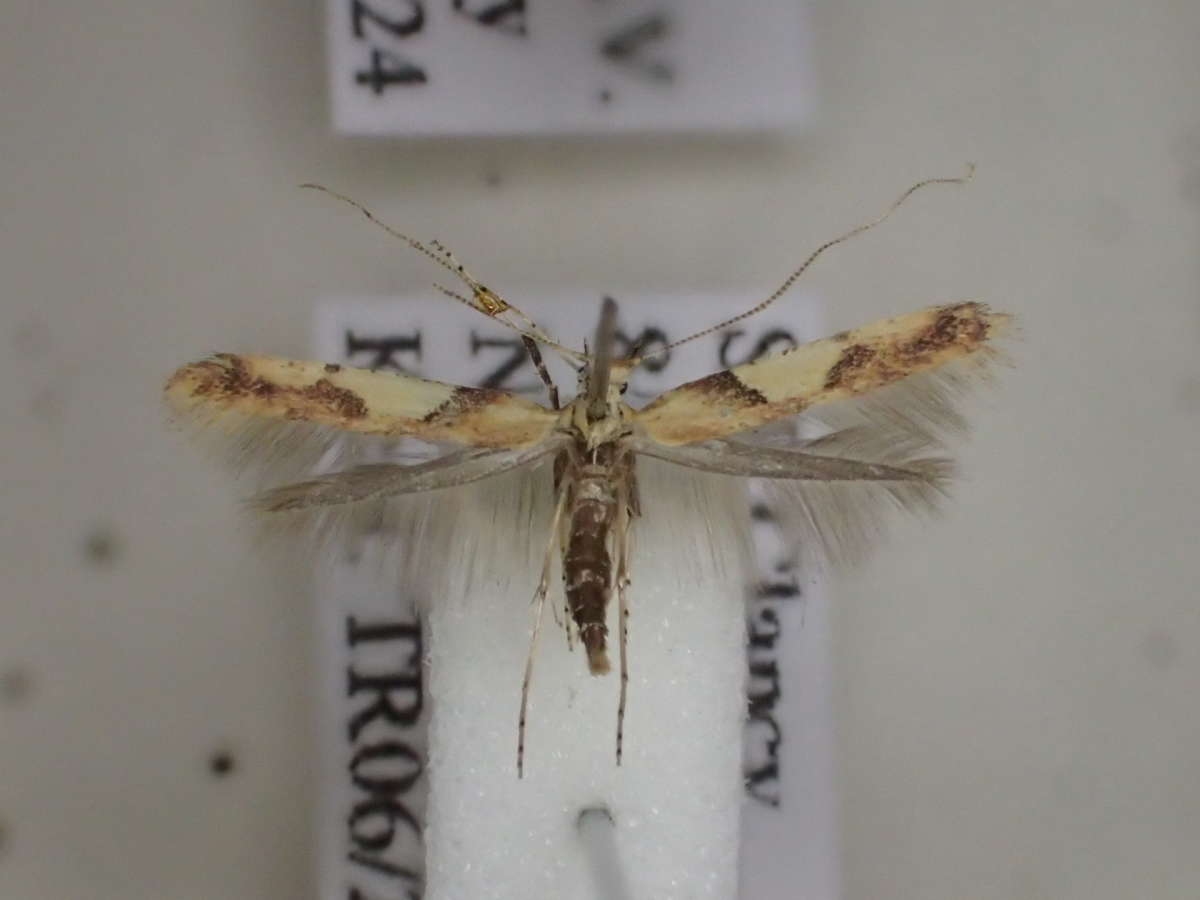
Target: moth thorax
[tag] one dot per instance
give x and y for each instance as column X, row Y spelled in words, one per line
column 601, row 431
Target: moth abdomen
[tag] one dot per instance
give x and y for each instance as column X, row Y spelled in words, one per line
column 587, row 561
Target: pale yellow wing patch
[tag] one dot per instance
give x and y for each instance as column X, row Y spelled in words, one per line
column 357, row 400
column 836, row 368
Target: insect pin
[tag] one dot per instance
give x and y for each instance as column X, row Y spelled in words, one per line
column 877, row 401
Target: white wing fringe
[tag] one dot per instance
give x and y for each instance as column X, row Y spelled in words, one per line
column 895, row 436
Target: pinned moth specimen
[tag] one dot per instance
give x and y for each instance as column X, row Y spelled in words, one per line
column 881, row 398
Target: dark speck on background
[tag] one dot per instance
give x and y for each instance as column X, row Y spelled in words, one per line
column 102, row 547
column 16, row 684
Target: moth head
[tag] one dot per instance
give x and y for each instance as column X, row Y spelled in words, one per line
column 619, row 375
column 589, row 385
column 600, row 387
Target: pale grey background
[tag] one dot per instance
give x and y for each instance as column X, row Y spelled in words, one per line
column 1016, row 683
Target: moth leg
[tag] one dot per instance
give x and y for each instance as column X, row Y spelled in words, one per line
column 621, row 584
column 535, row 356
column 564, row 478
column 556, row 526
column 539, row 601
column 567, row 622
column 566, row 607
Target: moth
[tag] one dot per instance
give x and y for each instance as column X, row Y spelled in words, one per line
column 881, row 397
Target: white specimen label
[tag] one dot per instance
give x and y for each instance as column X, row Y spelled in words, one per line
column 486, row 67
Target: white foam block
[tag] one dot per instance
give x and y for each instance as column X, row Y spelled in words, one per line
column 676, row 798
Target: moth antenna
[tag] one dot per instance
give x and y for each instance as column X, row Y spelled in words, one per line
column 791, row 279
column 455, row 295
column 606, row 336
column 483, row 299
column 538, row 337
column 375, row 220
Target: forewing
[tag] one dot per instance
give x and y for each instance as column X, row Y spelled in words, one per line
column 278, row 418
column 358, row 400
column 822, row 372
